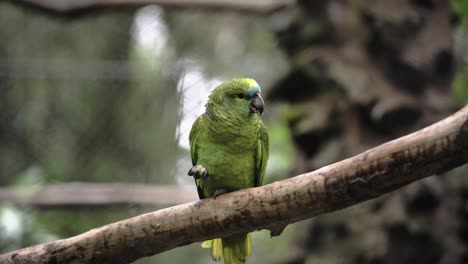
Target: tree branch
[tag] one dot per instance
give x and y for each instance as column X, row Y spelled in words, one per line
column 96, row 194
column 79, row 6
column 433, row 150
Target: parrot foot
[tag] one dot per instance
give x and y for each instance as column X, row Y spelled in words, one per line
column 198, row 172
column 276, row 230
column 219, row 192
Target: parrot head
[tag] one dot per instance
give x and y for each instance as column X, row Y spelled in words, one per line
column 241, row 96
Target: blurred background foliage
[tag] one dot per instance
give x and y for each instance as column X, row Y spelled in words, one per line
column 461, row 48
column 110, row 95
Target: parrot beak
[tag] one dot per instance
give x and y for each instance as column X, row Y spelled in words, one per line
column 257, row 104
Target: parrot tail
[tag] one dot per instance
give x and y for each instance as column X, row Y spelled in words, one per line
column 234, row 249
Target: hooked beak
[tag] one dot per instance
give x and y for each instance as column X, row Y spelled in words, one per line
column 257, row 104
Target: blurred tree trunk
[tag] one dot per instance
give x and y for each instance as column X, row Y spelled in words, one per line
column 365, row 72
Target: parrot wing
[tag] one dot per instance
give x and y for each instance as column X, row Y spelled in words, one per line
column 262, row 155
column 193, row 151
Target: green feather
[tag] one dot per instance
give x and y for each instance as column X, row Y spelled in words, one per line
column 231, row 142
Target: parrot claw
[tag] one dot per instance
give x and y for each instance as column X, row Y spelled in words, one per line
column 198, row 172
column 219, row 192
column 276, row 230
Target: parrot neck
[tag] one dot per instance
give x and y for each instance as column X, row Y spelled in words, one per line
column 231, row 125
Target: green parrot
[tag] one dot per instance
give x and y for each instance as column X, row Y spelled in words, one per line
column 229, row 150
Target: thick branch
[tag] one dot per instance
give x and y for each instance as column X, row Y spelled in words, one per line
column 97, row 194
column 76, row 6
column 433, row 150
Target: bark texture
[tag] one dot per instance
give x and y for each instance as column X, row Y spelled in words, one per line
column 433, row 150
column 365, row 72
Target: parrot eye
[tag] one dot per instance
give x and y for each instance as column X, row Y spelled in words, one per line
column 240, row 96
